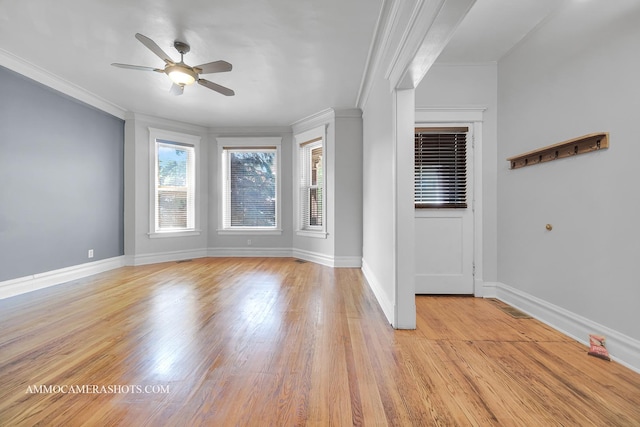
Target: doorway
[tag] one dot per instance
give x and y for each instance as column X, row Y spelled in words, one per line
column 444, row 209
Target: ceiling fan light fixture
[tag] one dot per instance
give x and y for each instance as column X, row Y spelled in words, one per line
column 181, row 75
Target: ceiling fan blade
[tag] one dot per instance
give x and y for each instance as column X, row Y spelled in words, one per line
column 153, row 47
column 138, row 67
column 214, row 86
column 176, row 89
column 214, row 67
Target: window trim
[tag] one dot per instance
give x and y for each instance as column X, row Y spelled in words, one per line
column 243, row 143
column 157, row 136
column 305, row 141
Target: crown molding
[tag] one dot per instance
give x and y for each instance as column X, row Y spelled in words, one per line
column 347, row 113
column 314, row 120
column 422, row 43
column 424, row 13
column 429, row 28
column 465, row 64
column 165, row 123
column 249, row 131
column 42, row 76
column 379, row 44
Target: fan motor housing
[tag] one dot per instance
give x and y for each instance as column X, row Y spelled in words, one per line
column 181, row 47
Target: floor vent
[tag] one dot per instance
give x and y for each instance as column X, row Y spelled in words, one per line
column 183, row 260
column 301, row 261
column 513, row 312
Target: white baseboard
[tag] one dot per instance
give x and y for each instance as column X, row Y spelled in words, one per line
column 329, row 261
column 156, row 258
column 487, row 289
column 243, row 252
column 22, row 285
column 249, row 252
column 34, row 282
column 385, row 303
column 622, row 348
column 347, row 261
column 316, row 257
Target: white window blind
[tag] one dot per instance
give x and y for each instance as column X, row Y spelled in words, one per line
column 311, row 185
column 440, row 173
column 250, row 188
column 175, row 186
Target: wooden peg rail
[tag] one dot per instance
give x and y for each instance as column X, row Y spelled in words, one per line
column 572, row 147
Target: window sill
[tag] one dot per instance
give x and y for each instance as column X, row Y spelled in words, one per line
column 311, row 233
column 176, row 233
column 249, row 232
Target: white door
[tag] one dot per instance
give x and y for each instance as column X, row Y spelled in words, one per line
column 444, row 240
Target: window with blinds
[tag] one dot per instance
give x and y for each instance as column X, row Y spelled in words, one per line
column 311, row 185
column 175, row 186
column 250, row 188
column 440, row 172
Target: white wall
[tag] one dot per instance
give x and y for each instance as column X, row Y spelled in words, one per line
column 459, row 87
column 379, row 103
column 577, row 75
column 408, row 38
column 378, row 250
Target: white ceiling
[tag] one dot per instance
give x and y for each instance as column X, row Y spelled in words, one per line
column 291, row 58
column 493, row 27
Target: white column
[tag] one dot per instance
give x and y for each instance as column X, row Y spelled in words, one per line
column 404, row 121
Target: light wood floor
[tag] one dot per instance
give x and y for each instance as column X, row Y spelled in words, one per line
column 274, row 342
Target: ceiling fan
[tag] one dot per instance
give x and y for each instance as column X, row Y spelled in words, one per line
column 180, row 73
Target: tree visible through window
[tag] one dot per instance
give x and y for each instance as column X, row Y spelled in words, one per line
column 174, row 190
column 251, row 190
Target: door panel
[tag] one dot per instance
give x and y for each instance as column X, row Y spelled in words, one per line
column 444, row 252
column 445, row 258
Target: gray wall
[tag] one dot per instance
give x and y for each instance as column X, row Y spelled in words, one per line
column 347, row 211
column 563, row 82
column 222, row 244
column 140, row 248
column 61, row 169
column 348, row 186
column 343, row 180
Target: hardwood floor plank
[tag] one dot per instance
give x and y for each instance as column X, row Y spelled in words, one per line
column 256, row 341
column 372, row 411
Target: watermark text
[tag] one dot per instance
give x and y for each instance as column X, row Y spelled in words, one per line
column 97, row 389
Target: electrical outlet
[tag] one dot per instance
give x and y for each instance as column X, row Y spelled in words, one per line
column 249, row 242
column 90, row 253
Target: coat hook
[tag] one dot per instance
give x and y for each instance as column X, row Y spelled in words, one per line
column 549, row 227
